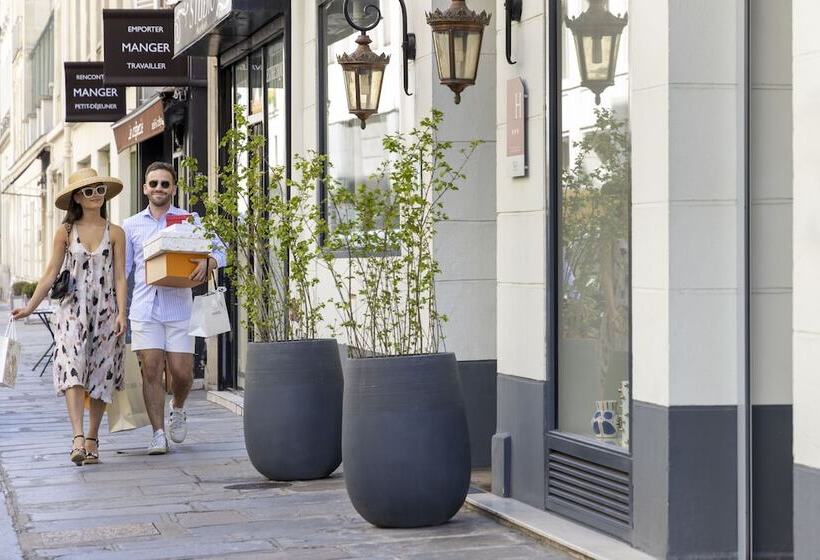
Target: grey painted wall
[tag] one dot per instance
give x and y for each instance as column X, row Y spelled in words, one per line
column 478, row 383
column 685, row 480
column 650, row 480
column 772, row 473
column 521, row 414
column 806, row 512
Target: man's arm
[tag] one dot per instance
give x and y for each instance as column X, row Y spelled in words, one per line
column 129, row 251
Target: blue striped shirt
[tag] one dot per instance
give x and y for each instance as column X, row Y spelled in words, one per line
column 156, row 303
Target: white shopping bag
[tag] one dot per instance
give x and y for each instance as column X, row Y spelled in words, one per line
column 9, row 356
column 209, row 316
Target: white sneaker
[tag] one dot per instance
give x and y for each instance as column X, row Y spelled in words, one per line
column 178, row 425
column 159, row 444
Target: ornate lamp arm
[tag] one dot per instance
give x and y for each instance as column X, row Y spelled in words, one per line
column 408, row 45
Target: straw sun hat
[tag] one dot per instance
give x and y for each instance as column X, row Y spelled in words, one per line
column 84, row 178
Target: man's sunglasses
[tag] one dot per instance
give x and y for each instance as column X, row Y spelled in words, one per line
column 89, row 192
column 164, row 184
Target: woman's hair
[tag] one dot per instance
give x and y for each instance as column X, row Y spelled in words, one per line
column 75, row 211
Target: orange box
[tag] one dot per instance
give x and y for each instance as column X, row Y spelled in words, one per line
column 172, row 269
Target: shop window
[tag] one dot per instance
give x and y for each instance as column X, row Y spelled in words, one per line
column 594, row 334
column 355, row 154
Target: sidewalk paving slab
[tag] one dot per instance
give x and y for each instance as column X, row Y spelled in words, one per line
column 203, row 500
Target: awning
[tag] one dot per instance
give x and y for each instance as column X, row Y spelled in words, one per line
column 143, row 123
column 209, row 28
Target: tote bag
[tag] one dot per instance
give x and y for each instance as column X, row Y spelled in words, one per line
column 9, row 355
column 127, row 409
column 209, row 315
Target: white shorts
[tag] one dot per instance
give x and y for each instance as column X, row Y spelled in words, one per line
column 171, row 336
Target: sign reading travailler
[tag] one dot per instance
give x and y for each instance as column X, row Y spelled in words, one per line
column 139, row 49
column 88, row 98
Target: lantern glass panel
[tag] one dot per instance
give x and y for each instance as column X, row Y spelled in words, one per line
column 442, row 42
column 371, row 88
column 597, row 50
column 466, row 47
column 350, row 88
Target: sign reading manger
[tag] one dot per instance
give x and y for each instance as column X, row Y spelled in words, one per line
column 139, row 47
column 88, row 98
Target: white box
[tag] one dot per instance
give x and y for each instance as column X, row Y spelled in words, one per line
column 178, row 238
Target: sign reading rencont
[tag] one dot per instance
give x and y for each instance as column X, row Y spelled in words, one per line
column 88, row 98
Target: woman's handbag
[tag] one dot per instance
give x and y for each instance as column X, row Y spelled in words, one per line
column 209, row 315
column 60, row 287
column 9, row 356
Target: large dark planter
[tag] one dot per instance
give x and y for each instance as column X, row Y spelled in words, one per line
column 405, row 442
column 293, row 409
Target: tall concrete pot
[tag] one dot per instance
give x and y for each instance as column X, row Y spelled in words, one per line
column 293, row 409
column 405, row 443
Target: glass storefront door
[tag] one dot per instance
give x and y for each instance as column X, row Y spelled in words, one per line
column 257, row 83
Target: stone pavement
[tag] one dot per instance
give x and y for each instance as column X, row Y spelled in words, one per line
column 203, row 500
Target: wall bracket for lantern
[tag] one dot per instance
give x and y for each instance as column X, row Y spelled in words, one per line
column 408, row 45
column 513, row 9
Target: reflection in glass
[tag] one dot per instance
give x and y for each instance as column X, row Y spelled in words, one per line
column 594, row 248
column 355, row 153
column 275, row 86
column 256, row 78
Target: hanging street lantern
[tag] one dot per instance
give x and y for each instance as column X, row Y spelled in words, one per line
column 363, row 74
column 597, row 35
column 364, row 70
column 457, row 35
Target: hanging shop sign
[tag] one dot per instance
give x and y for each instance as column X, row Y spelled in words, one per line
column 195, row 18
column 517, row 127
column 88, row 98
column 209, row 27
column 142, row 124
column 139, row 49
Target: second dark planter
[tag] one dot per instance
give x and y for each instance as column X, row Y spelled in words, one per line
column 405, row 442
column 293, row 409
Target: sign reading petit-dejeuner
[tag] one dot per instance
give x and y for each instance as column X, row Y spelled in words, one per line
column 139, row 49
column 88, row 98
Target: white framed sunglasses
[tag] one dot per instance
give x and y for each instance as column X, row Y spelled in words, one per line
column 99, row 190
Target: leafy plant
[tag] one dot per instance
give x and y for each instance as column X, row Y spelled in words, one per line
column 18, row 288
column 380, row 252
column 269, row 228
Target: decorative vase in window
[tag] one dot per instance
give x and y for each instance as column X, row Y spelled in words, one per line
column 604, row 420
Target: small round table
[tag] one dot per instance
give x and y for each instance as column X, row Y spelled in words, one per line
column 48, row 355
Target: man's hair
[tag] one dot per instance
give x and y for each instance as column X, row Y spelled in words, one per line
column 161, row 165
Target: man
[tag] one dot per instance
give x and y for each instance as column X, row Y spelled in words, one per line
column 159, row 315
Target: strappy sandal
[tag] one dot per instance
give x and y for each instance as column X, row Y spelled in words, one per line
column 78, row 454
column 92, row 457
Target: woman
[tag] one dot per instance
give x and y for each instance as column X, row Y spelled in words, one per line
column 90, row 320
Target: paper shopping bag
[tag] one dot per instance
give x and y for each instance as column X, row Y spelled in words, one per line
column 9, row 356
column 209, row 315
column 127, row 409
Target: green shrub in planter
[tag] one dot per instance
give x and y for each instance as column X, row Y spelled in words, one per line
column 270, row 223
column 405, row 442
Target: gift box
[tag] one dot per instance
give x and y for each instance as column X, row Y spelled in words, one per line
column 177, row 238
column 172, row 269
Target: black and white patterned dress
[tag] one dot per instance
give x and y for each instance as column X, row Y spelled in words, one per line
column 88, row 352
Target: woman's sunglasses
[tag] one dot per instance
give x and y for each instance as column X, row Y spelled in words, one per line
column 164, row 184
column 89, row 192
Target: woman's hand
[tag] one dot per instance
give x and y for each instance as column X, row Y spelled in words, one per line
column 20, row 313
column 121, row 325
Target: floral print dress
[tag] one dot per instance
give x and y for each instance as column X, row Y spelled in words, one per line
column 88, row 352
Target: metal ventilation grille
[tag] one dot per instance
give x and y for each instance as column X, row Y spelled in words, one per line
column 591, row 488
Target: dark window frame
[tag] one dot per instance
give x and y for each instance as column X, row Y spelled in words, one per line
column 556, row 440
